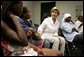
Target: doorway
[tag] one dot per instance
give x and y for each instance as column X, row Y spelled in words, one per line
column 45, row 9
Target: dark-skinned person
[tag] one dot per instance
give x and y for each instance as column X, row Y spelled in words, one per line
column 13, row 36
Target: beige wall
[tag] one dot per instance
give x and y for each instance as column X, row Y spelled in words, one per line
column 30, row 6
column 34, row 8
column 68, row 7
column 64, row 7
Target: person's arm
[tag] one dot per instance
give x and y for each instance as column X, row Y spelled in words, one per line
column 80, row 25
column 19, row 30
column 11, row 35
column 74, row 29
column 36, row 49
column 42, row 27
column 66, row 28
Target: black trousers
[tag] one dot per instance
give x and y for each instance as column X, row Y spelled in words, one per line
column 78, row 42
column 78, row 39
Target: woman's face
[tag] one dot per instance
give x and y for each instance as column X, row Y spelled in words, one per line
column 54, row 14
column 68, row 19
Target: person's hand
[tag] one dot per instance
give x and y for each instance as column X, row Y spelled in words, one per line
column 40, row 52
column 29, row 33
column 38, row 37
column 12, row 16
column 80, row 25
column 32, row 30
column 74, row 29
column 39, row 33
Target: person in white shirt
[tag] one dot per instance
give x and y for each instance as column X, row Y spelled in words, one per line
column 79, row 24
column 69, row 29
column 49, row 30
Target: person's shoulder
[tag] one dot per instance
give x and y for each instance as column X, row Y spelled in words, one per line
column 65, row 23
column 46, row 19
column 77, row 22
column 16, row 16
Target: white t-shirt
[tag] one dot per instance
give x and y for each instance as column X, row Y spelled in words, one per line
column 77, row 23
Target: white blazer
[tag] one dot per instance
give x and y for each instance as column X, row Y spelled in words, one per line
column 47, row 28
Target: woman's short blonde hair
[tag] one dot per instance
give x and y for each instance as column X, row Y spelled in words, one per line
column 55, row 9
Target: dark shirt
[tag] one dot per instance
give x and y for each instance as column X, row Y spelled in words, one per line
column 29, row 23
column 24, row 24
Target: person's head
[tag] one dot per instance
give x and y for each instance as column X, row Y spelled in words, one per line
column 26, row 14
column 80, row 18
column 14, row 7
column 54, row 12
column 17, row 8
column 67, row 17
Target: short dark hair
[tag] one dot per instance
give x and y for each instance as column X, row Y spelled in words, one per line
column 25, row 10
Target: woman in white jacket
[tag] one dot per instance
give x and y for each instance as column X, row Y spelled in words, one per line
column 49, row 30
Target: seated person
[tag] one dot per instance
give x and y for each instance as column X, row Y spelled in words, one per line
column 32, row 35
column 13, row 36
column 48, row 30
column 79, row 24
column 69, row 29
column 26, row 16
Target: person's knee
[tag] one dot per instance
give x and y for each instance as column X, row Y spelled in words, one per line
column 62, row 40
column 56, row 40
